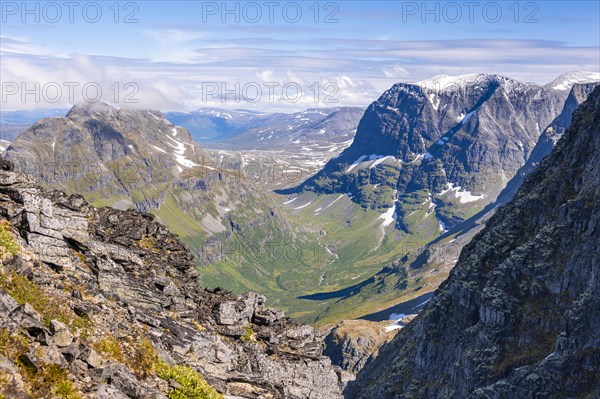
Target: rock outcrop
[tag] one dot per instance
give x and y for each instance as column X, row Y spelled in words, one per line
column 354, row 343
column 518, row 316
column 108, row 296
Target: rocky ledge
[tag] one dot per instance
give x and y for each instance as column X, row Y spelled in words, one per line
column 102, row 303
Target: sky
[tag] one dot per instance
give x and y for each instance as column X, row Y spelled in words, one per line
column 277, row 55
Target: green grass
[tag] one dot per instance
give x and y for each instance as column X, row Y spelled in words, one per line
column 42, row 381
column 51, row 308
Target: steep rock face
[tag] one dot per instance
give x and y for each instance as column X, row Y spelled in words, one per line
column 353, row 343
column 578, row 94
column 124, row 277
column 517, row 318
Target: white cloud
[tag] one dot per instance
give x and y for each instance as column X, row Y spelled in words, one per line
column 395, row 71
column 360, row 70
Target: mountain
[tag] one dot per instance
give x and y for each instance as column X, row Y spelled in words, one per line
column 249, row 130
column 438, row 257
column 294, row 146
column 518, row 315
column 565, row 81
column 578, row 94
column 315, row 129
column 450, row 140
column 216, row 124
column 425, row 159
column 97, row 302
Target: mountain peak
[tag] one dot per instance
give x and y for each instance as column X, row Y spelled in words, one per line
column 567, row 80
column 86, row 108
column 449, row 83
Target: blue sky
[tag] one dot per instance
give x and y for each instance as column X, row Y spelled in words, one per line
column 182, row 55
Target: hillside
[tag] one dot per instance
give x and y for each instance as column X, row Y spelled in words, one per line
column 102, row 303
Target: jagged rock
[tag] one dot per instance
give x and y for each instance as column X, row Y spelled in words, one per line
column 50, row 355
column 109, row 392
column 60, row 334
column 12, row 382
column 92, row 358
column 70, row 352
column 354, row 343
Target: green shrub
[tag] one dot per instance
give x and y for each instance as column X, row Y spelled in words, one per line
column 12, row 346
column 111, row 348
column 7, row 241
column 191, row 385
column 48, row 381
column 248, row 335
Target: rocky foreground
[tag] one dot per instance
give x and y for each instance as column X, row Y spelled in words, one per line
column 102, row 303
column 519, row 315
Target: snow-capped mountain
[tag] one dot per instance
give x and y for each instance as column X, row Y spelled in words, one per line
column 453, row 142
column 313, row 129
column 565, row 81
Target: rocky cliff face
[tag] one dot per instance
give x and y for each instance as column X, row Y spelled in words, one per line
column 517, row 318
column 109, row 302
column 549, row 137
column 353, row 343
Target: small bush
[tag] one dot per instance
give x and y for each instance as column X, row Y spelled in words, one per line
column 137, row 354
column 12, row 346
column 49, row 381
column 66, row 390
column 7, row 241
column 190, row 384
column 248, row 335
column 143, row 362
column 111, row 348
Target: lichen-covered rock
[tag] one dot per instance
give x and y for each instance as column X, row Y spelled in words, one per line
column 518, row 317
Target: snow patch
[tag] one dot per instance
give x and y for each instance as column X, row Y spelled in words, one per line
column 448, row 83
column 355, row 164
column 389, row 216
column 434, row 100
column 304, row 206
column 336, row 200
column 463, row 196
column 567, row 80
column 465, row 118
column 397, row 316
column 159, row 149
column 393, row 327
